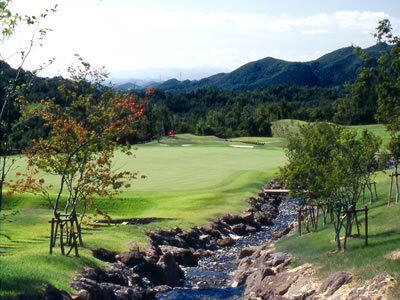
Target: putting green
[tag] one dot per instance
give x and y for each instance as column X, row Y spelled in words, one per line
column 189, row 180
column 177, row 168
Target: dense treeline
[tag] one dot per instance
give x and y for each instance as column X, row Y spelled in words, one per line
column 206, row 111
column 210, row 111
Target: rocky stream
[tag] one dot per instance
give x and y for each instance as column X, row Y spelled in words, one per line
column 230, row 258
column 213, row 277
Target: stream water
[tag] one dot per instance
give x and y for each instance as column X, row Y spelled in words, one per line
column 211, row 278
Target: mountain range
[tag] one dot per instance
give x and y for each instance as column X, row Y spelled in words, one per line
column 330, row 70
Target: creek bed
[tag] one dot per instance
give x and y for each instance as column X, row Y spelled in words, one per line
column 211, row 278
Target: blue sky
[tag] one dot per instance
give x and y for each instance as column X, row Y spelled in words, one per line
column 190, row 39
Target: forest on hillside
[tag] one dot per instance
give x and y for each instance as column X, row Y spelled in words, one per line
column 205, row 111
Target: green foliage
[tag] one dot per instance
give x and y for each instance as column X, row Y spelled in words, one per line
column 388, row 86
column 363, row 262
column 12, row 82
column 377, row 87
column 81, row 145
column 202, row 128
column 331, row 163
column 310, row 156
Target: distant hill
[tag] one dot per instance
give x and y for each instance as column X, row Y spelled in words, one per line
column 330, row 70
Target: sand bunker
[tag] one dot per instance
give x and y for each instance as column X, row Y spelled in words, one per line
column 242, row 146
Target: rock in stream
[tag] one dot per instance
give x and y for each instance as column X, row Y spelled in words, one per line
column 212, row 278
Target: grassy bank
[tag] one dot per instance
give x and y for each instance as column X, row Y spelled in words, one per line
column 281, row 129
column 363, row 262
column 189, row 181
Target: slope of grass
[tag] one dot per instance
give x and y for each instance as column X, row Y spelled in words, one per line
column 376, row 129
column 363, row 262
column 281, row 128
column 190, row 180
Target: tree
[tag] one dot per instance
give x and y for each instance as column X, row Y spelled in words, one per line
column 11, row 89
column 388, row 84
column 331, row 163
column 160, row 116
column 83, row 139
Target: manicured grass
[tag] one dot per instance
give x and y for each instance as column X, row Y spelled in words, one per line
column 377, row 129
column 282, row 127
column 363, row 262
column 190, row 180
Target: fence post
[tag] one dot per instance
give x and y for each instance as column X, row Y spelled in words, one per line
column 390, row 188
column 299, row 220
column 366, row 225
column 51, row 235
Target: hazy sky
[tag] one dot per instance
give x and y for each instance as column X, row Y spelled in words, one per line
column 155, row 38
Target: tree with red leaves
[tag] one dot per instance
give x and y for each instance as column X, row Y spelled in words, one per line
column 84, row 136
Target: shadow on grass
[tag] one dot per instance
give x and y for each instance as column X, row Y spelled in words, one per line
column 134, row 221
column 22, row 286
column 390, row 238
column 384, row 234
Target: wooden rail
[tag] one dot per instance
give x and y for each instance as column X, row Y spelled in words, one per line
column 283, row 191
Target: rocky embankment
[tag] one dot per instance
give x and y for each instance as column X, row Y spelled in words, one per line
column 267, row 275
column 222, row 260
column 142, row 273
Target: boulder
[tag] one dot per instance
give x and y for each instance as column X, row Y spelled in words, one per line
column 279, row 258
column 247, row 252
column 262, row 218
column 232, row 219
column 379, row 287
column 122, row 275
column 152, row 271
column 227, row 241
column 250, row 229
column 204, row 238
column 280, row 284
column 202, row 253
column 334, row 282
column 82, row 295
column 211, row 245
column 212, row 231
column 239, row 229
column 191, row 238
column 172, row 273
column 50, row 292
column 222, row 227
column 269, row 210
column 93, row 288
column 104, row 254
column 302, row 289
column 263, row 195
column 93, row 274
column 120, row 292
column 127, row 293
column 278, row 234
column 153, row 252
column 248, row 217
column 132, row 258
column 184, row 257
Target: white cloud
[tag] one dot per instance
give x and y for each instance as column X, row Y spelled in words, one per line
column 127, row 36
column 315, row 32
